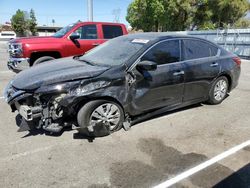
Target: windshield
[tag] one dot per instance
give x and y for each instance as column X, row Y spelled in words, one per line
column 113, row 52
column 63, row 31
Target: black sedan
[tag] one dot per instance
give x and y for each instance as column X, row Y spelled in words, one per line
column 123, row 80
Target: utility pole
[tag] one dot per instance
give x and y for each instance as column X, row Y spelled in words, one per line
column 116, row 13
column 90, row 10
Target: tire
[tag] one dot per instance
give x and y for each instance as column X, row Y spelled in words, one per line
column 43, row 59
column 86, row 115
column 218, row 90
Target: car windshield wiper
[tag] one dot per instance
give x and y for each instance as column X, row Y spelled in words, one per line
column 77, row 57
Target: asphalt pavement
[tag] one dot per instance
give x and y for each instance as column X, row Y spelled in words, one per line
column 150, row 153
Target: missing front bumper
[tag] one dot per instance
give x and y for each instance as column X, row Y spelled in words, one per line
column 29, row 113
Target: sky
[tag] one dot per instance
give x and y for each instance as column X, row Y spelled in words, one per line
column 64, row 12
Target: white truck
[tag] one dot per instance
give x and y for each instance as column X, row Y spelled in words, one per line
column 7, row 35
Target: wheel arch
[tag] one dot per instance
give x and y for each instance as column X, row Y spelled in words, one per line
column 35, row 55
column 229, row 78
column 84, row 101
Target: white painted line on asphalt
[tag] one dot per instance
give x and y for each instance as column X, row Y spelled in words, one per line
column 1, row 97
column 16, row 156
column 202, row 166
column 5, row 72
column 26, row 153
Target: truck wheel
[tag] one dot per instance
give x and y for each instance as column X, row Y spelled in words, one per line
column 43, row 59
column 218, row 91
column 100, row 118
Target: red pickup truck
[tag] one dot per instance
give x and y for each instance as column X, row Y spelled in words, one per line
column 74, row 39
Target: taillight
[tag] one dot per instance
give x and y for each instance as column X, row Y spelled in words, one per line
column 237, row 60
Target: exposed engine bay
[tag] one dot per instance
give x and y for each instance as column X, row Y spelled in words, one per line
column 45, row 113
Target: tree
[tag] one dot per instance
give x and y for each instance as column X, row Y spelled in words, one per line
column 32, row 22
column 145, row 14
column 24, row 25
column 174, row 15
column 160, row 15
column 18, row 23
column 202, row 16
column 178, row 15
column 219, row 14
column 242, row 23
column 227, row 12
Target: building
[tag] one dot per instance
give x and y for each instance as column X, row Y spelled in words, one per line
column 47, row 30
column 6, row 32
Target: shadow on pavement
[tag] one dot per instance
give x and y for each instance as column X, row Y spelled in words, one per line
column 233, row 180
column 166, row 162
column 34, row 132
column 149, row 117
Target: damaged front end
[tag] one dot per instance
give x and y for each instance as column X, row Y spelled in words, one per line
column 39, row 108
column 50, row 107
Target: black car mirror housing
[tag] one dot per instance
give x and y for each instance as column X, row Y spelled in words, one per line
column 74, row 37
column 147, row 65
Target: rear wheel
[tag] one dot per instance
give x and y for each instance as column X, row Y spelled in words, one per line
column 100, row 118
column 43, row 59
column 218, row 91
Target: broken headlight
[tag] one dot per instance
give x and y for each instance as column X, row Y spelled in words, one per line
column 82, row 89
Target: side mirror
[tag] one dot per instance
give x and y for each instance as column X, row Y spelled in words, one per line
column 74, row 36
column 147, row 65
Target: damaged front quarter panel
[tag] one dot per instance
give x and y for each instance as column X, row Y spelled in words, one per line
column 111, row 85
column 84, row 89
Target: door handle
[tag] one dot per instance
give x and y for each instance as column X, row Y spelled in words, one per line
column 95, row 44
column 178, row 73
column 214, row 65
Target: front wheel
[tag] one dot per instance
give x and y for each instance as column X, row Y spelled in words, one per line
column 218, row 91
column 43, row 59
column 100, row 118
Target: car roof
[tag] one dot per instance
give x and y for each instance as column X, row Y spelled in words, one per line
column 108, row 23
column 155, row 36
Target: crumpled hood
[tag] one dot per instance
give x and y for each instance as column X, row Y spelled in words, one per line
column 55, row 71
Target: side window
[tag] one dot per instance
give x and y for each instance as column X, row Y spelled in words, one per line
column 194, row 49
column 87, row 32
column 164, row 52
column 111, row 31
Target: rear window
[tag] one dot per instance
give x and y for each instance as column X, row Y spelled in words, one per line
column 195, row 49
column 111, row 31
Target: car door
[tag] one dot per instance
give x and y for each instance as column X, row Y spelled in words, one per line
column 160, row 87
column 89, row 37
column 201, row 68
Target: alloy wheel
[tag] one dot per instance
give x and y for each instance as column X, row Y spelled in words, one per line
column 108, row 114
column 220, row 90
